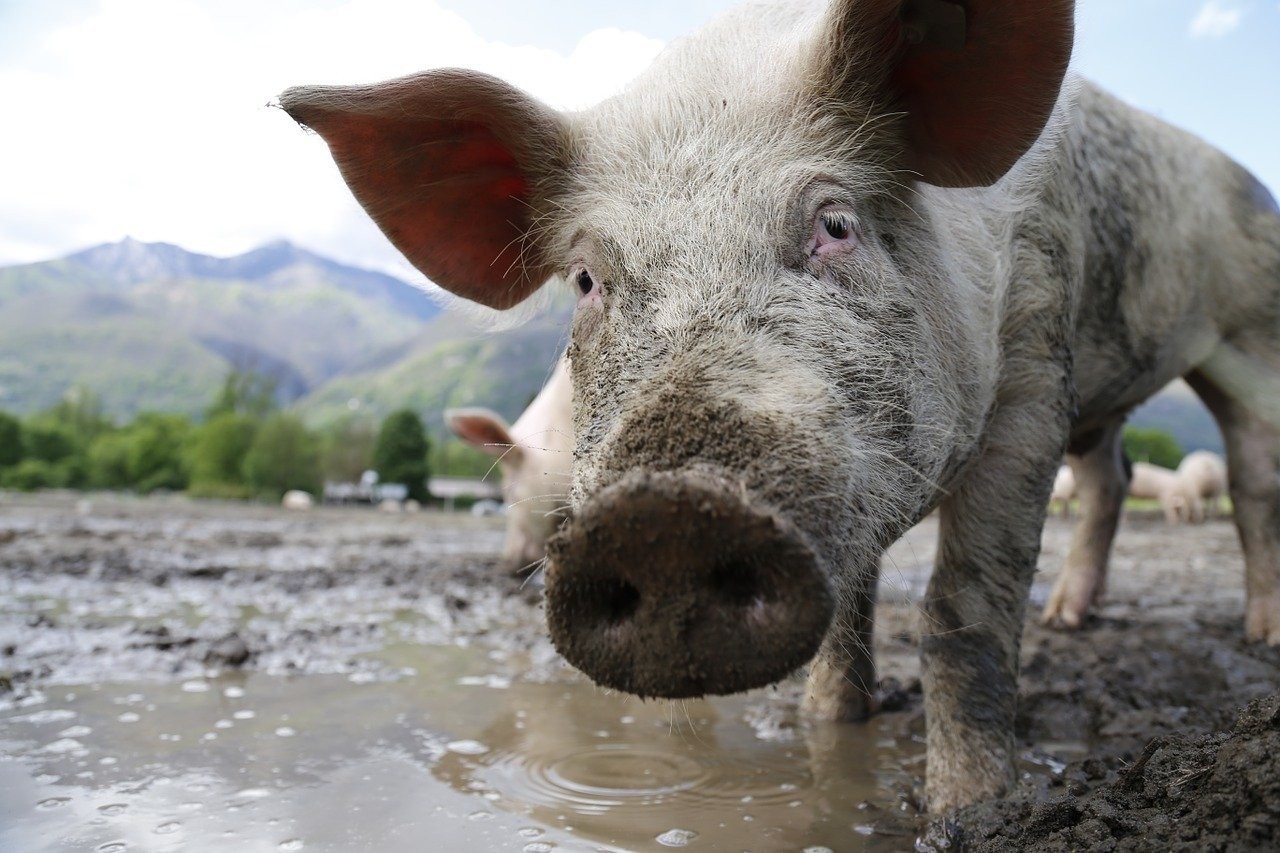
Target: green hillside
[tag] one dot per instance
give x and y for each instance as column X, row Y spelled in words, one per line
column 151, row 326
column 448, row 364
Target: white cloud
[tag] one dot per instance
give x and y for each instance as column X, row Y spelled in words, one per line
column 149, row 117
column 1215, row 19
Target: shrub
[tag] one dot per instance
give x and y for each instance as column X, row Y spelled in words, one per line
column 1154, row 445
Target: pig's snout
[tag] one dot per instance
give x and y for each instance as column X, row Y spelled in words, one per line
column 670, row 584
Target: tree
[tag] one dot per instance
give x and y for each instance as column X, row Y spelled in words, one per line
column 80, row 412
column 11, row 452
column 216, row 453
column 348, row 450
column 108, row 461
column 1151, row 444
column 155, row 451
column 47, row 440
column 244, row 392
column 284, row 455
column 400, row 456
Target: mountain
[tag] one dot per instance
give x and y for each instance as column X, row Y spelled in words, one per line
column 153, row 326
column 449, row 364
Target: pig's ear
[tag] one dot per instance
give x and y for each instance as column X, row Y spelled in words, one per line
column 452, row 165
column 484, row 430
column 976, row 80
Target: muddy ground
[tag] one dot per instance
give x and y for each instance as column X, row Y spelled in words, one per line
column 1133, row 728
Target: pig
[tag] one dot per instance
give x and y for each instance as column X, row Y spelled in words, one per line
column 838, row 265
column 1064, row 489
column 1105, row 476
column 535, row 456
column 1154, row 482
column 1204, row 477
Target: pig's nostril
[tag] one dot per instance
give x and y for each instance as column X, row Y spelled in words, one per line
column 735, row 583
column 619, row 601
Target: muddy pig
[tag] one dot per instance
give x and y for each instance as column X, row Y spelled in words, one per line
column 535, row 456
column 837, row 265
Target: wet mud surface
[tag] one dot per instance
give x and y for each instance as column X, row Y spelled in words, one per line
column 176, row 673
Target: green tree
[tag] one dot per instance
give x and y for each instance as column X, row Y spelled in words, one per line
column 400, row 455
column 284, row 455
column 80, row 413
column 11, row 452
column 47, row 440
column 107, row 460
column 1151, row 444
column 215, row 455
column 32, row 474
column 347, row 450
column 155, row 451
column 244, row 392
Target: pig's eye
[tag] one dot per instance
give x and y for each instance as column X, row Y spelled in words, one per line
column 834, row 229
column 585, row 282
column 837, row 226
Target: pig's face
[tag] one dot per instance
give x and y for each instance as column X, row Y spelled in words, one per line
column 765, row 396
column 777, row 360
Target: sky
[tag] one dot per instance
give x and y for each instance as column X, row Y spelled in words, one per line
column 153, row 118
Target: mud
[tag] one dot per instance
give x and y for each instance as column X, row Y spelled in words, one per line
column 405, row 630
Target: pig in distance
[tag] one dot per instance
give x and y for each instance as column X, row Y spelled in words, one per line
column 534, row 456
column 838, row 265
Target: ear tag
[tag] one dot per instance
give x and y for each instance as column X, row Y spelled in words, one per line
column 940, row 23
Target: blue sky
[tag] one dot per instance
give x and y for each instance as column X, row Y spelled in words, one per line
column 148, row 118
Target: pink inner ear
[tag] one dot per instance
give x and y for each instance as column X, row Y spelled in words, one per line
column 450, row 196
column 483, row 431
column 445, row 163
column 973, row 109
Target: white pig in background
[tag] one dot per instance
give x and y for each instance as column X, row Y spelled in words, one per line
column 535, row 457
column 1157, row 483
column 837, row 265
column 1204, row 478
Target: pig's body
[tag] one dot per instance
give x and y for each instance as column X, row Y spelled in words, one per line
column 535, row 456
column 1153, row 482
column 1204, row 476
column 787, row 350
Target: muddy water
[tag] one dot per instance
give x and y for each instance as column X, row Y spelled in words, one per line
column 213, row 676
column 453, row 754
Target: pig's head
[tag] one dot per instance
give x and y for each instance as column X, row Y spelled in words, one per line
column 533, row 495
column 779, row 357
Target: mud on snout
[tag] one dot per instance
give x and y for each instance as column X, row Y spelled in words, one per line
column 671, row 584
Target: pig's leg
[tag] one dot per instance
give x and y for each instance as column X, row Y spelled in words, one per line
column 989, row 540
column 1097, row 461
column 842, row 678
column 1245, row 400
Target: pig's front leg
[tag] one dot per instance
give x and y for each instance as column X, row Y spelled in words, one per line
column 842, row 678
column 989, row 539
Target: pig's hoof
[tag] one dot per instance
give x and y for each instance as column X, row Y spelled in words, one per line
column 1060, row 612
column 1262, row 619
column 672, row 584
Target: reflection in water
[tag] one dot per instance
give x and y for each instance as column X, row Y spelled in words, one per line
column 451, row 757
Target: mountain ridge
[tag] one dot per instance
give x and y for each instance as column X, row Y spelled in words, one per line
column 127, row 316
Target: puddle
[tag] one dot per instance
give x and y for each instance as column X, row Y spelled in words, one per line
column 453, row 755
